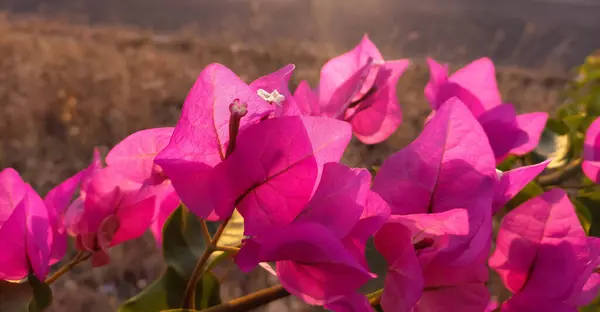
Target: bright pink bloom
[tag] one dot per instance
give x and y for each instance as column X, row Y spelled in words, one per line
column 109, row 209
column 278, row 83
column 440, row 189
column 134, row 158
column 513, row 181
column 312, row 260
column 274, row 169
column 202, row 136
column 475, row 85
column 591, row 152
column 359, row 87
column 25, row 231
column 544, row 257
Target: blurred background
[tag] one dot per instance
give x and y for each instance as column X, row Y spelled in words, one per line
column 75, row 74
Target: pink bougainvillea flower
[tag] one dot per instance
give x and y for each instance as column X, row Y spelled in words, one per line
column 591, row 152
column 25, row 230
column 219, row 105
column 353, row 303
column 109, row 209
column 475, row 85
column 134, row 158
column 275, row 167
column 544, row 257
column 513, row 181
column 313, row 261
column 359, row 87
column 440, row 189
column 274, row 88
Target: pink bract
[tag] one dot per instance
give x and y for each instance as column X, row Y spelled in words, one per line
column 591, row 152
column 475, row 85
column 25, row 230
column 544, row 257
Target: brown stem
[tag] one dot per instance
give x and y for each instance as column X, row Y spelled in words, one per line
column 555, row 178
column 229, row 249
column 205, row 232
column 251, row 301
column 79, row 258
column 189, row 295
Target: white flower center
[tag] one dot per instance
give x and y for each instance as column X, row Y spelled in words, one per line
column 273, row 97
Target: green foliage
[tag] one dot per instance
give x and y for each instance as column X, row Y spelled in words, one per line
column 183, row 245
column 530, row 191
column 30, row 295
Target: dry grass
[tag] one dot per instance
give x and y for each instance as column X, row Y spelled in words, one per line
column 66, row 89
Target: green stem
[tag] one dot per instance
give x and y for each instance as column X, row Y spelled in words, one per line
column 189, row 296
column 251, row 301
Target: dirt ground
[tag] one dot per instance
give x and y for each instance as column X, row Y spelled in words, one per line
column 65, row 89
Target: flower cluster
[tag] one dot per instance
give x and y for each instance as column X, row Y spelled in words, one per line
column 274, row 156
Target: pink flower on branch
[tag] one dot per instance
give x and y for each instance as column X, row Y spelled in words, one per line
column 544, row 257
column 134, row 159
column 591, row 152
column 25, row 229
column 316, row 252
column 475, row 85
column 360, row 88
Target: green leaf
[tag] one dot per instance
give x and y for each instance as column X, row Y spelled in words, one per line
column 378, row 266
column 555, row 147
column 167, row 293
column 530, row 191
column 573, row 122
column 183, row 245
column 590, row 199
column 508, row 163
column 584, row 215
column 15, row 297
column 42, row 294
column 557, row 126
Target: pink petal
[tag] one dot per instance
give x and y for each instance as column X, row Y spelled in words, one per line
column 590, row 278
column 531, row 126
column 57, row 201
column 352, row 303
column 591, row 152
column 378, row 116
column 450, row 165
column 513, row 181
column 438, row 76
column 307, row 100
column 39, row 233
column 134, row 218
column 404, row 281
column 166, row 204
column 479, row 78
column 500, row 125
column 201, row 136
column 134, row 156
column 347, row 77
column 339, row 199
column 472, row 297
column 279, row 81
column 13, row 258
column 541, row 247
column 275, row 166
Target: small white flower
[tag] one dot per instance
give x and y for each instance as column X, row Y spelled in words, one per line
column 273, row 97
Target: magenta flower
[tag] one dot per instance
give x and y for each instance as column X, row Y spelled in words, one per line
column 134, row 159
column 109, row 209
column 544, row 257
column 360, row 88
column 219, row 106
column 475, row 85
column 315, row 257
column 25, row 231
column 273, row 171
column 440, row 189
column 274, row 88
column 591, row 152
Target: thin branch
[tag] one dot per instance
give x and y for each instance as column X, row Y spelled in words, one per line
column 567, row 172
column 251, row 301
column 229, row 249
column 79, row 258
column 205, row 232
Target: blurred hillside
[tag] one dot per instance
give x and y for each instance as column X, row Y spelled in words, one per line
column 553, row 34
